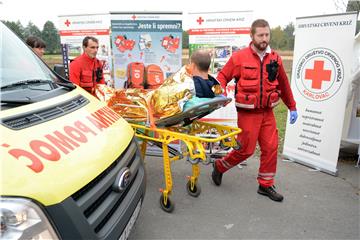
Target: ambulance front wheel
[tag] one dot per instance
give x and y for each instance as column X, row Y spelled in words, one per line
column 167, row 205
column 195, row 191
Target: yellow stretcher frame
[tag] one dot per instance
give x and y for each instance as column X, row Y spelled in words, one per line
column 193, row 138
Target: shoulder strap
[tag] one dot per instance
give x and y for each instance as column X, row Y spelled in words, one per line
column 236, row 80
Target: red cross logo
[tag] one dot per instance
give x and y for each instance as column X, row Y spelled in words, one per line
column 200, row 20
column 67, row 23
column 318, row 74
column 133, row 17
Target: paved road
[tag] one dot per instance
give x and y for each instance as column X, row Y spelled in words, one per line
column 316, row 205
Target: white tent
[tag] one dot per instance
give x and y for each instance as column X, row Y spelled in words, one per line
column 351, row 129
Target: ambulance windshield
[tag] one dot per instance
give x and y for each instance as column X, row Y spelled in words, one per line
column 18, row 62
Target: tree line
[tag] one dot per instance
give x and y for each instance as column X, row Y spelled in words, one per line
column 281, row 38
column 49, row 34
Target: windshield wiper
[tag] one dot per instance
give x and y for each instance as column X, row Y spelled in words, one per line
column 17, row 101
column 69, row 85
column 27, row 82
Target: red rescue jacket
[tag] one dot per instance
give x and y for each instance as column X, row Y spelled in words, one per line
column 253, row 89
column 83, row 72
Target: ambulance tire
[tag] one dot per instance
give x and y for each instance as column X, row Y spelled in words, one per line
column 195, row 192
column 169, row 206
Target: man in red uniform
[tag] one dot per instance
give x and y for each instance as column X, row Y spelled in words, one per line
column 260, row 83
column 86, row 70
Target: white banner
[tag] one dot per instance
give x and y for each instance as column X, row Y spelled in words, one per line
column 320, row 79
column 222, row 33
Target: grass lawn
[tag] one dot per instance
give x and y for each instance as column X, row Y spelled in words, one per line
column 51, row 60
column 281, row 117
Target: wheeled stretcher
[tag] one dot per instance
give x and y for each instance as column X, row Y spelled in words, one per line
column 193, row 135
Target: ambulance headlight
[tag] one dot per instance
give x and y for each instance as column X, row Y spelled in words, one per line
column 23, row 219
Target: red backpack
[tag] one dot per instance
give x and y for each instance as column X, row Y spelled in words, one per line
column 135, row 75
column 154, row 76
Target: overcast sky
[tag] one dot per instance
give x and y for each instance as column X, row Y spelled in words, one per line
column 277, row 12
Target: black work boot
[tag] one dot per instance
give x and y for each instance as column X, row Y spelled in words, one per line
column 271, row 193
column 216, row 175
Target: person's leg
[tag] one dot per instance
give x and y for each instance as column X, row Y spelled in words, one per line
column 249, row 123
column 268, row 141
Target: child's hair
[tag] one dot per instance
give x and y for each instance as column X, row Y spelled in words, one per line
column 202, row 59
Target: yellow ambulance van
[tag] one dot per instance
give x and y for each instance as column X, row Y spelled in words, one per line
column 70, row 166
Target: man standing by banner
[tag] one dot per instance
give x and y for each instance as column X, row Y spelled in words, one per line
column 86, row 70
column 260, row 83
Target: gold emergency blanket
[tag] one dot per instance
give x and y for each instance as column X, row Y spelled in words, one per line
column 170, row 97
column 148, row 104
column 129, row 103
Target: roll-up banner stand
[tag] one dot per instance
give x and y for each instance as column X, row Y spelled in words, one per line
column 74, row 28
column 321, row 75
column 222, row 33
column 148, row 38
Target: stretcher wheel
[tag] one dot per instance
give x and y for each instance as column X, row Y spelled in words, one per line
column 207, row 160
column 194, row 161
column 222, row 146
column 195, row 192
column 237, row 146
column 169, row 206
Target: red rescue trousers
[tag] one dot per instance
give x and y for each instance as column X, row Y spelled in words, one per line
column 256, row 125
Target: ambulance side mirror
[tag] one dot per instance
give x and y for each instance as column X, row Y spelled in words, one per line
column 60, row 69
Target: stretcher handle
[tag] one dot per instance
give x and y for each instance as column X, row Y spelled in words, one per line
column 196, row 112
